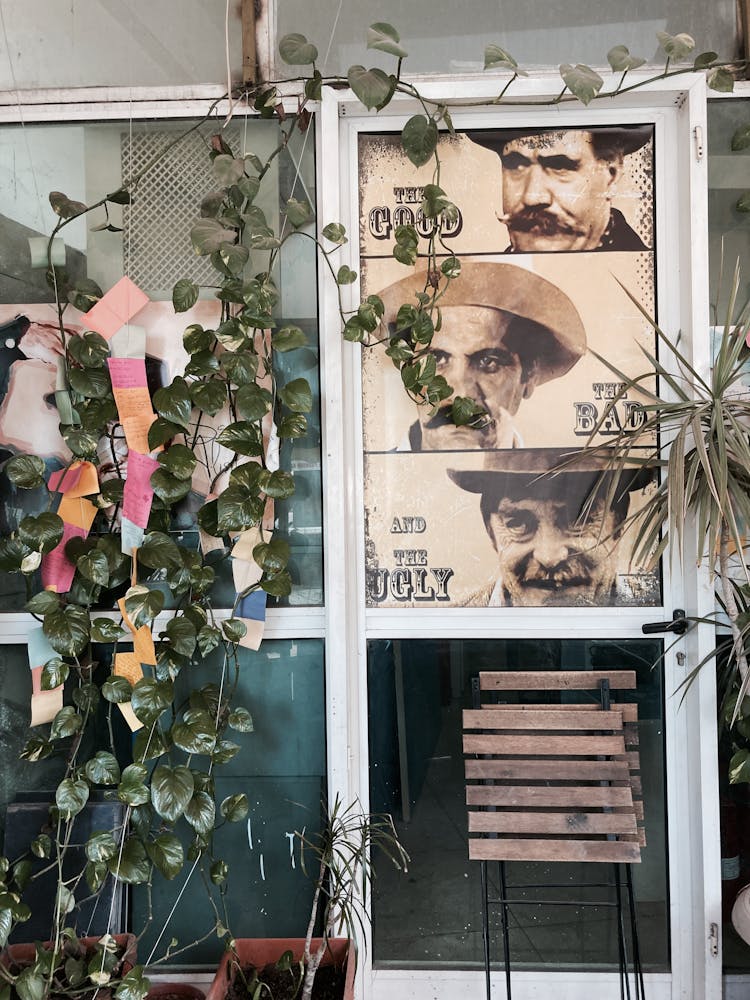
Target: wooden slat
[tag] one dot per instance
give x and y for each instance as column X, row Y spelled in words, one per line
column 571, row 823
column 628, row 708
column 601, row 796
column 555, row 680
column 548, row 746
column 621, row 851
column 549, row 770
column 592, row 720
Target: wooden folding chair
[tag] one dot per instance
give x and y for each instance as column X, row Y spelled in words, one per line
column 554, row 781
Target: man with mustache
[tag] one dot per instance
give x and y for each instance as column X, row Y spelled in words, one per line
column 558, row 187
column 503, row 331
column 555, row 519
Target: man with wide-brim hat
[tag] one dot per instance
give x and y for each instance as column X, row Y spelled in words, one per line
column 558, row 186
column 555, row 518
column 504, row 330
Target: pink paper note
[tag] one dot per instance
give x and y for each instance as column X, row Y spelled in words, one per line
column 57, row 570
column 65, row 480
column 115, row 308
column 127, row 373
column 137, row 497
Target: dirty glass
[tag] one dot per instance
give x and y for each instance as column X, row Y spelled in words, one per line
column 108, row 43
column 728, row 181
column 281, row 767
column 440, row 38
column 432, row 917
column 153, row 248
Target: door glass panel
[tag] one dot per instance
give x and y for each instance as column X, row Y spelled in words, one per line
column 417, row 691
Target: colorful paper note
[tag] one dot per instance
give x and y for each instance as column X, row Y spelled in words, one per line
column 78, row 512
column 127, row 373
column 138, row 494
column 252, row 611
column 116, row 307
column 131, row 536
column 78, row 480
column 246, row 573
column 128, row 342
column 143, row 641
column 136, row 431
column 44, row 704
column 57, row 569
column 129, row 716
column 38, row 251
column 128, row 666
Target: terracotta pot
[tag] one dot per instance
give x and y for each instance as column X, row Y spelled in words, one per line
column 24, row 954
column 161, row 991
column 260, row 952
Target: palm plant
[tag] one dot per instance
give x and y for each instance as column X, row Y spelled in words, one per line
column 697, row 430
column 342, row 856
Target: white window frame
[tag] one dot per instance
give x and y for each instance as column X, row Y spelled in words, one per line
column 679, row 109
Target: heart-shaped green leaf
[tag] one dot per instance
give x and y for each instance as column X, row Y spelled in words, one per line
column 620, row 59
column 102, row 769
column 171, row 790
column 41, row 533
column 582, row 81
column 67, row 629
column 25, row 471
column 295, row 50
column 373, row 87
column 184, row 295
column 676, row 46
column 167, row 854
column 497, row 58
column 71, row 796
column 134, row 866
column 385, row 38
column 100, row 846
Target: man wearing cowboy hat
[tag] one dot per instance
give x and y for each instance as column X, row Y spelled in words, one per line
column 558, row 186
column 503, row 331
column 555, row 519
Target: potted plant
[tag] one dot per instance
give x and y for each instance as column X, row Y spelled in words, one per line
column 340, row 860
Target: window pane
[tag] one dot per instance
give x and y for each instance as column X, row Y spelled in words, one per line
column 728, row 180
column 106, row 43
column 417, row 690
column 440, row 38
column 154, row 250
column 281, row 767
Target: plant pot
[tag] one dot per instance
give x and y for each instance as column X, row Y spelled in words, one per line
column 24, row 954
column 175, row 991
column 259, row 952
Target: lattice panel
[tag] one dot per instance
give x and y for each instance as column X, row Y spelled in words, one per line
column 156, row 241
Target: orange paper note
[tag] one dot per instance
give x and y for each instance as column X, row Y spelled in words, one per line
column 136, row 431
column 128, row 666
column 77, row 511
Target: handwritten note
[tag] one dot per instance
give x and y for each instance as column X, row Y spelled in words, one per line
column 138, row 495
column 57, row 569
column 136, row 430
column 127, row 373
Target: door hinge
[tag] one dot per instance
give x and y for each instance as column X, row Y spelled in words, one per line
column 713, row 939
column 698, row 137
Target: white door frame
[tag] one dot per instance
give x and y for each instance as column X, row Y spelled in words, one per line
column 679, row 110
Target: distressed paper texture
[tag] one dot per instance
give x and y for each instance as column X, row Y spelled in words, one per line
column 426, row 541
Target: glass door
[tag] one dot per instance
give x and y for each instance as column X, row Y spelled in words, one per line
column 505, row 546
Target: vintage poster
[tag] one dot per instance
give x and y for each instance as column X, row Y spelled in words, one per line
column 554, row 229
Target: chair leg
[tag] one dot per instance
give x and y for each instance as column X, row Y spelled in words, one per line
column 485, row 928
column 624, row 979
column 506, row 928
column 640, row 990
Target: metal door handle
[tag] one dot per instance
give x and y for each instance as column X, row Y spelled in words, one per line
column 678, row 624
